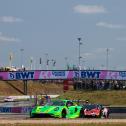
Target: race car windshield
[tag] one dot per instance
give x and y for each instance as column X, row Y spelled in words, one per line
column 55, row 103
column 90, row 106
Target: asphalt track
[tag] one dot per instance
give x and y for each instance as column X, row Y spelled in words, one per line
column 14, row 118
column 24, row 118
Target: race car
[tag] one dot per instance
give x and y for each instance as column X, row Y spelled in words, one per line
column 92, row 110
column 9, row 99
column 58, row 108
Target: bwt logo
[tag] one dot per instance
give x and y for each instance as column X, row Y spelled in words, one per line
column 88, row 74
column 21, row 75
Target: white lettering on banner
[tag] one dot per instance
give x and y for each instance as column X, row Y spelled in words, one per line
column 122, row 74
column 58, row 73
column 45, row 75
column 52, row 75
column 112, row 75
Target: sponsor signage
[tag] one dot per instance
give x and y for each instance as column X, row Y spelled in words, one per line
column 62, row 74
column 27, row 75
column 15, row 109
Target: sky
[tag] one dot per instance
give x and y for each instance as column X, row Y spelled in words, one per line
column 49, row 29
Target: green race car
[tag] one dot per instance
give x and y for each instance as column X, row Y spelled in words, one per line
column 58, row 108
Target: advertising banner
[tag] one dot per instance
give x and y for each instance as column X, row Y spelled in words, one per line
column 15, row 109
column 54, row 74
column 62, row 74
column 36, row 75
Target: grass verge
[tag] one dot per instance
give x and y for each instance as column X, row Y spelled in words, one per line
column 104, row 97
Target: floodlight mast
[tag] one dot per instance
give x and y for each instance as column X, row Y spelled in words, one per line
column 79, row 57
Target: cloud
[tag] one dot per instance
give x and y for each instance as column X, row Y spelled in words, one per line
column 108, row 25
column 89, row 9
column 10, row 19
column 4, row 38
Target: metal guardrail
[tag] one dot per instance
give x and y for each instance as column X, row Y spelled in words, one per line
column 27, row 109
column 117, row 109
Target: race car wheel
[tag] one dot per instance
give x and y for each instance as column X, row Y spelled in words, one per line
column 64, row 113
column 31, row 115
column 100, row 114
column 81, row 113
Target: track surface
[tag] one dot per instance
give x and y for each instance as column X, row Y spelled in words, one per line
column 24, row 118
column 61, row 121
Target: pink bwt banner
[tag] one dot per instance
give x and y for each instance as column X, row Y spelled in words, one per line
column 62, row 74
column 39, row 75
column 3, row 75
column 54, row 75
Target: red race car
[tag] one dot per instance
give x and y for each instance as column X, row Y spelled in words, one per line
column 92, row 110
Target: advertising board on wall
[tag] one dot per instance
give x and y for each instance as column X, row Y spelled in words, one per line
column 62, row 74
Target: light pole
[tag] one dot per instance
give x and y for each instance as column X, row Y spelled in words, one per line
column 107, row 58
column 31, row 62
column 40, row 63
column 66, row 63
column 53, row 63
column 80, row 43
column 47, row 61
column 10, row 59
column 21, row 50
column 84, row 66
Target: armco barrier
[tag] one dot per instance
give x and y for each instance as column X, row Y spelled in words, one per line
column 117, row 109
column 28, row 109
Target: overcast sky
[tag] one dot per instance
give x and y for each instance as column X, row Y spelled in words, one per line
column 41, row 27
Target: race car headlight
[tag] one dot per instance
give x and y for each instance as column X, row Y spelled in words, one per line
column 56, row 109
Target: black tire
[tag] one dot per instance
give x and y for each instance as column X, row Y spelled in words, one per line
column 100, row 115
column 31, row 115
column 81, row 113
column 64, row 113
